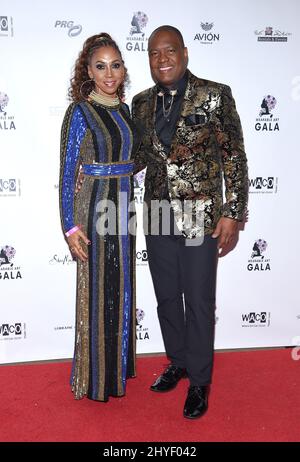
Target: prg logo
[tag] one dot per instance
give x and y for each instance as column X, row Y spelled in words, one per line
column 73, row 30
column 254, row 319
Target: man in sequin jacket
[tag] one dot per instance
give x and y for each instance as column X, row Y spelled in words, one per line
column 191, row 141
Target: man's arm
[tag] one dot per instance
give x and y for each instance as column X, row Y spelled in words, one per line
column 140, row 158
column 230, row 139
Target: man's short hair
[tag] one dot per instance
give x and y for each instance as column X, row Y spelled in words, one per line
column 169, row 29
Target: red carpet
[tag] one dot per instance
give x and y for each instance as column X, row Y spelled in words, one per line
column 255, row 397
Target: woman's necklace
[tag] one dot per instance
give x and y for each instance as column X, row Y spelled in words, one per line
column 167, row 112
column 104, row 100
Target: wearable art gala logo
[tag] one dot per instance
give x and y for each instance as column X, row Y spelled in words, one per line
column 136, row 39
column 139, row 179
column 269, row 34
column 7, row 268
column 266, row 120
column 207, row 35
column 142, row 333
column 258, row 260
column 6, row 119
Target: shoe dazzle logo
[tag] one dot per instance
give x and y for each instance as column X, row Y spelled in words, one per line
column 7, row 268
column 270, row 35
column 261, row 185
column 142, row 257
column 6, row 26
column 141, row 332
column 258, row 262
column 265, row 121
column 253, row 319
column 6, row 120
column 9, row 187
column 13, row 331
column 66, row 260
column 136, row 40
column 73, row 30
column 139, row 179
column 207, row 37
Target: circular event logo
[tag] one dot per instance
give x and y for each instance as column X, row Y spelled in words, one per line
column 141, row 332
column 6, row 120
column 3, row 101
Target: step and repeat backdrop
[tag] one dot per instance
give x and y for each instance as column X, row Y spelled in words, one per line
column 251, row 46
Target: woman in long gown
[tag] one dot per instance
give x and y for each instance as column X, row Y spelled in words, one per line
column 98, row 140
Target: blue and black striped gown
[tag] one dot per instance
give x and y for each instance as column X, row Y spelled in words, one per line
column 101, row 141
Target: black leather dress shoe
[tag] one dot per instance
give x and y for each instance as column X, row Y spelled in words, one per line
column 196, row 402
column 169, row 378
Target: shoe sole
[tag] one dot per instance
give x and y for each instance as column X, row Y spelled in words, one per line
column 196, row 417
column 163, row 391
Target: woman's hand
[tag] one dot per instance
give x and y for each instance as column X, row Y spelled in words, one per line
column 74, row 242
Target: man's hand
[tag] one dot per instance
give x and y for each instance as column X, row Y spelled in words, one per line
column 226, row 230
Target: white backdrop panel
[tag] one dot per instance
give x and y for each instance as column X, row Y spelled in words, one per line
column 253, row 47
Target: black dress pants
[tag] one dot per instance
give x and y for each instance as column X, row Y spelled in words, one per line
column 184, row 279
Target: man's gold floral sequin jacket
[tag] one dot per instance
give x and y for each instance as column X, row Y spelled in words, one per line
column 207, row 147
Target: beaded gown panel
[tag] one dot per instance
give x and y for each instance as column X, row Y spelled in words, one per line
column 101, row 141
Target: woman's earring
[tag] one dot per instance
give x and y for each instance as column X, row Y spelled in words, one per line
column 83, row 83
